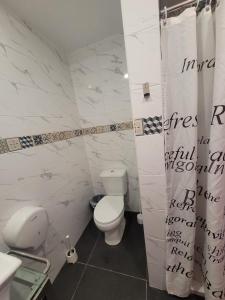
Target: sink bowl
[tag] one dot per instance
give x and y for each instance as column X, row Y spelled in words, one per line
column 8, row 266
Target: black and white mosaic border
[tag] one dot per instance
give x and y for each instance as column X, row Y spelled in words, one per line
column 152, row 125
column 148, row 126
column 23, row 142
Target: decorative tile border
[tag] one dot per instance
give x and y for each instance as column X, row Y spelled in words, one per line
column 23, row 142
column 147, row 126
column 13, row 144
column 26, row 141
column 3, row 146
column 152, row 125
column 144, row 126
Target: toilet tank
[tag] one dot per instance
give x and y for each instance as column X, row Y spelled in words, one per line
column 27, row 228
column 114, row 181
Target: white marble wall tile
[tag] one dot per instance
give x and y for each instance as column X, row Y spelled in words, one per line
column 157, row 274
column 154, row 224
column 93, row 120
column 150, row 154
column 114, row 150
column 139, row 15
column 98, row 77
column 157, row 250
column 142, row 40
column 53, row 177
column 119, row 115
column 35, row 76
column 37, row 97
column 156, row 254
column 145, row 107
column 103, row 98
column 29, row 117
column 143, row 56
column 153, row 189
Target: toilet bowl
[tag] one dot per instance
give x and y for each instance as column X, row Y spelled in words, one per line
column 109, row 218
column 109, row 212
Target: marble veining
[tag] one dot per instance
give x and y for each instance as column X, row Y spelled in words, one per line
column 23, row 142
column 142, row 39
column 99, row 74
column 80, row 119
column 37, row 98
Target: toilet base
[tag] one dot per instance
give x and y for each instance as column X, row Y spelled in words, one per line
column 114, row 237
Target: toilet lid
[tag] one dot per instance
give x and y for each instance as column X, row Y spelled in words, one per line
column 109, row 209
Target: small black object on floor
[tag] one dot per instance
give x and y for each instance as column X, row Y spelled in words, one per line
column 109, row 272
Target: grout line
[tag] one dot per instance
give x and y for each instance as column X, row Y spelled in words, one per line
column 93, row 249
column 85, row 267
column 81, row 263
column 146, row 290
column 112, row 271
column 14, row 144
column 79, row 281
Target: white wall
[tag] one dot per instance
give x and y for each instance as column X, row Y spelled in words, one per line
column 103, row 98
column 37, row 97
column 142, row 40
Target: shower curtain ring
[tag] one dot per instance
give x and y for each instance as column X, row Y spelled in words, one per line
column 165, row 15
column 208, row 6
column 197, row 5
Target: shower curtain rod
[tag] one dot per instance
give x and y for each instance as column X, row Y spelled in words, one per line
column 177, row 6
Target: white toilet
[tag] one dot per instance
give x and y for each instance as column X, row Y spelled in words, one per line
column 25, row 230
column 109, row 212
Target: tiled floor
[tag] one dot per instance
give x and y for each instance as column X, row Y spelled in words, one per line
column 109, row 273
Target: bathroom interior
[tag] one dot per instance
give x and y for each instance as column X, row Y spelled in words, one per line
column 112, row 149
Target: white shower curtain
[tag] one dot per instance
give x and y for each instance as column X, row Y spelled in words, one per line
column 194, row 129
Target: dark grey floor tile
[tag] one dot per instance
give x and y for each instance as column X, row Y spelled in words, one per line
column 104, row 285
column 66, row 282
column 129, row 256
column 86, row 242
column 154, row 294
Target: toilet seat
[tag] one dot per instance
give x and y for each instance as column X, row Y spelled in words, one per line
column 109, row 209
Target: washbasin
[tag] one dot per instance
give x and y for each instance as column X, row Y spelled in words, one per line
column 8, row 267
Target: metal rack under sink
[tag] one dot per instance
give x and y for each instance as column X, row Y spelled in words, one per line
column 29, row 283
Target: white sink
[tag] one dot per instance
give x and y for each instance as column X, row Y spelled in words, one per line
column 8, row 266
